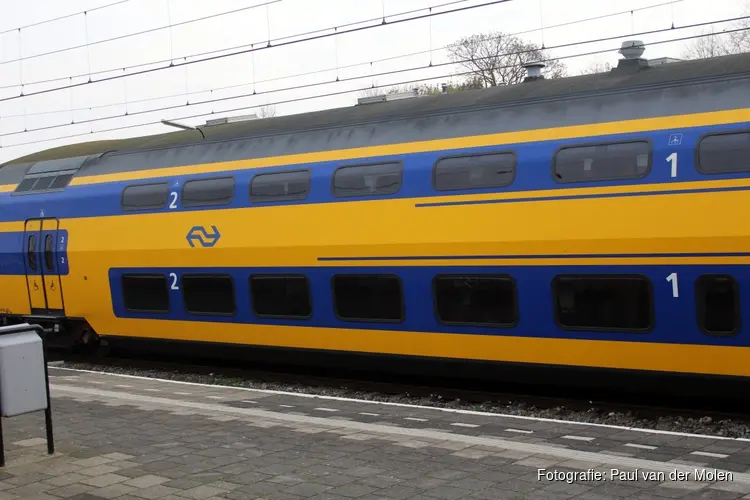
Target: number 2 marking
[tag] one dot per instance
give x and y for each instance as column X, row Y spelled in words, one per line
column 672, row 278
column 174, row 281
column 173, row 203
column 672, row 159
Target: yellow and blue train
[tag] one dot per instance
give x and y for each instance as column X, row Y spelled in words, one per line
column 597, row 222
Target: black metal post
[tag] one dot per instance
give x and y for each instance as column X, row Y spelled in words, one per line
column 48, row 411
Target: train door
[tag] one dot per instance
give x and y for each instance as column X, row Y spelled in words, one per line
column 42, row 266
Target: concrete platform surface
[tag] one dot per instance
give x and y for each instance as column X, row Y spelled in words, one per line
column 130, row 438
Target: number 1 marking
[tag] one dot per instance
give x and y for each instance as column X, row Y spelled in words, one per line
column 174, row 281
column 675, row 289
column 672, row 159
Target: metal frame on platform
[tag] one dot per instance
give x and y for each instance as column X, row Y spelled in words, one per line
column 22, row 328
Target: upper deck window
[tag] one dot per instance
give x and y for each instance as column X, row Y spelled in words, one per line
column 601, row 162
column 280, row 186
column 724, row 153
column 203, row 192
column 367, row 180
column 489, row 170
column 145, row 196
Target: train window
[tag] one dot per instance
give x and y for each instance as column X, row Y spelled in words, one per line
column 209, row 294
column 476, row 300
column 145, row 196
column 489, row 170
column 598, row 162
column 145, row 293
column 717, row 304
column 61, row 181
column 724, row 153
column 368, row 298
column 49, row 256
column 280, row 186
column 32, row 252
column 603, row 302
column 43, row 183
column 26, row 185
column 281, row 296
column 367, row 180
column 213, row 191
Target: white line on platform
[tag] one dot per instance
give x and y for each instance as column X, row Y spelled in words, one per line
column 462, row 424
column 415, row 419
column 326, row 409
column 404, row 405
column 519, row 431
column 709, row 454
column 369, row 414
column 578, row 438
column 641, row 446
column 391, row 430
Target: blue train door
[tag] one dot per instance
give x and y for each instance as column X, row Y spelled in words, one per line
column 42, row 266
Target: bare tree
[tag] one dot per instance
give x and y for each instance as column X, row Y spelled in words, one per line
column 721, row 44
column 268, row 111
column 596, row 67
column 498, row 58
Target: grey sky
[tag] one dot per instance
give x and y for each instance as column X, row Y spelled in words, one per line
column 287, row 17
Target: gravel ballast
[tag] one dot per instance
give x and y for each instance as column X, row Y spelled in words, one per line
column 724, row 427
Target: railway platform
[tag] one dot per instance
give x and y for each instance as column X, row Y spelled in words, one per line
column 134, row 438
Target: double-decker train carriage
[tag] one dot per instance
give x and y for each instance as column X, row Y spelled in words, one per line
column 596, row 223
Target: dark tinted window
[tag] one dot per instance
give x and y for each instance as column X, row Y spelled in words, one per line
column 32, row 252
column 280, row 186
column 281, row 296
column 202, row 192
column 479, row 300
column 718, row 304
column 145, row 196
column 477, row 171
column 367, row 180
column 26, row 185
column 208, row 294
column 723, row 153
column 145, row 292
column 603, row 302
column 61, row 181
column 43, row 183
column 628, row 160
column 368, row 298
column 49, row 256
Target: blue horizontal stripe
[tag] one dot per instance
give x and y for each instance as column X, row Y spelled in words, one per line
column 533, row 174
column 584, row 196
column 675, row 318
column 532, row 256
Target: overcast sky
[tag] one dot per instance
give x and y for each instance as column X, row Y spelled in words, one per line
column 275, row 68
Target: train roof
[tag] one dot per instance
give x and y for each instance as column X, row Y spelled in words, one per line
column 629, row 75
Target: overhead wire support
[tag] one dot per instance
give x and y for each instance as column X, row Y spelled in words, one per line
column 336, row 93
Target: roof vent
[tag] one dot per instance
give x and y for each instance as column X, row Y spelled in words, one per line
column 388, row 97
column 231, row 119
column 534, row 71
column 632, row 50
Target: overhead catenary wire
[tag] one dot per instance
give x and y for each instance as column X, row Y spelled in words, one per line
column 138, row 33
column 323, row 70
column 247, row 51
column 349, row 91
column 60, row 18
column 386, row 73
column 218, row 51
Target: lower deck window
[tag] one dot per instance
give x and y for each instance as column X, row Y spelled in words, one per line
column 603, row 302
column 476, row 300
column 368, row 298
column 145, row 292
column 717, row 304
column 208, row 294
column 281, row 296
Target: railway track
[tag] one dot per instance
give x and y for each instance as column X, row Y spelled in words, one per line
column 699, row 415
